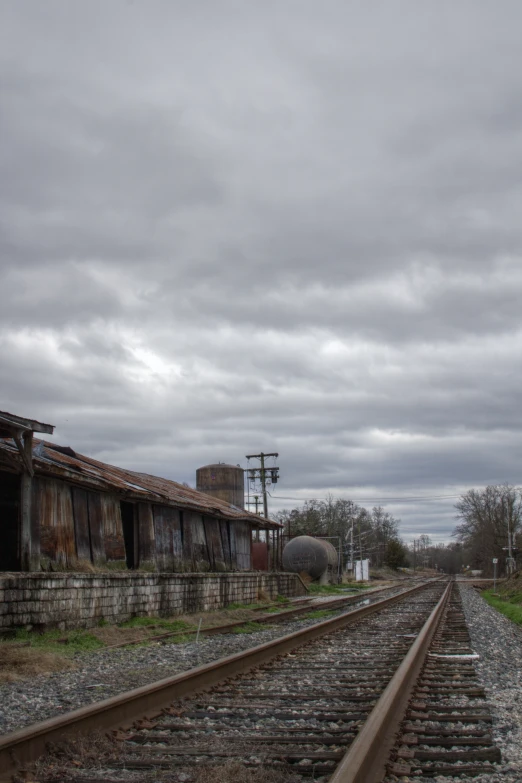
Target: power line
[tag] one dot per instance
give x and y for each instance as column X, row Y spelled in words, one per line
column 406, row 498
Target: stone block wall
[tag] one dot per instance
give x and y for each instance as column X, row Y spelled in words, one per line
column 68, row 601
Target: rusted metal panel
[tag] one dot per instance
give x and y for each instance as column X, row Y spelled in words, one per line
column 225, row 543
column 260, row 556
column 55, row 518
column 169, row 548
column 81, row 523
column 214, row 544
column 112, row 528
column 96, row 528
column 146, row 542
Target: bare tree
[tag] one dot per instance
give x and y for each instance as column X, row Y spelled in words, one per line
column 485, row 517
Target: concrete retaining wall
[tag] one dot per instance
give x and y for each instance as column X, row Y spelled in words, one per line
column 81, row 600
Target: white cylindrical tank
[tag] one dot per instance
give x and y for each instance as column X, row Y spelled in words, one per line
column 311, row 555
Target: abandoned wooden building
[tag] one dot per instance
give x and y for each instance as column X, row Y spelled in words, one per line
column 60, row 510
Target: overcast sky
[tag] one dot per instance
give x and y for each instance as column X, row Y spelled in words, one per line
column 288, row 225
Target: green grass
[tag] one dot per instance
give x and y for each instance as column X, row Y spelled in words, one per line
column 249, row 628
column 319, row 613
column 255, row 605
column 316, row 589
column 182, row 639
column 166, row 625
column 77, row 641
column 510, row 607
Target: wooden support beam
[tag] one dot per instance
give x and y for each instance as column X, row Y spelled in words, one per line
column 9, row 421
column 25, row 448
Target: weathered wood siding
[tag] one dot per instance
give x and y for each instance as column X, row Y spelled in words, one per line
column 195, row 550
column 112, row 528
column 169, row 546
column 243, row 545
column 214, row 544
column 94, row 503
column 146, row 539
column 81, row 523
column 71, row 524
column 225, row 542
column 52, row 512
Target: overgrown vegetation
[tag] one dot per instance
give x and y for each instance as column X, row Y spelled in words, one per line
column 63, row 642
column 252, row 627
column 316, row 589
column 318, row 613
column 158, row 623
column 510, row 606
column 17, row 663
column 29, row 654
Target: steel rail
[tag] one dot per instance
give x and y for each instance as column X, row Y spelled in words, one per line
column 368, row 755
column 266, row 617
column 27, row 744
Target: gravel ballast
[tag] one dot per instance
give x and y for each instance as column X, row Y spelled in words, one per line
column 108, row 672
column 498, row 641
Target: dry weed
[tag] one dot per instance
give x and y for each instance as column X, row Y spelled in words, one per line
column 17, row 663
column 63, row 761
column 235, row 772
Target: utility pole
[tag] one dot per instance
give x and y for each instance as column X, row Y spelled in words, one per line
column 510, row 561
column 261, row 474
column 352, row 552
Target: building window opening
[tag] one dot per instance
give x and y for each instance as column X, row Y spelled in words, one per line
column 10, row 516
column 128, row 520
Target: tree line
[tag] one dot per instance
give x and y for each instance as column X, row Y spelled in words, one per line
column 362, row 533
column 488, row 520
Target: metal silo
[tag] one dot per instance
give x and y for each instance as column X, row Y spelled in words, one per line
column 226, row 482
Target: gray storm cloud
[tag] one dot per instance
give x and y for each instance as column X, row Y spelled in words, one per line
column 227, row 227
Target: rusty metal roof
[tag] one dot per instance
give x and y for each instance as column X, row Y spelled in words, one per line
column 52, row 460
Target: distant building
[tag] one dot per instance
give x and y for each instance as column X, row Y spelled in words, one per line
column 60, row 510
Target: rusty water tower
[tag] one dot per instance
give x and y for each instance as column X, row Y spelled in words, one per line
column 226, row 482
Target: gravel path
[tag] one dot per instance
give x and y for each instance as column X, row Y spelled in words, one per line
column 498, row 641
column 110, row 672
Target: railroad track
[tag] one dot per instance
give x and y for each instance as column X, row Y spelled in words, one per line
column 299, row 703
column 447, row 729
column 283, row 614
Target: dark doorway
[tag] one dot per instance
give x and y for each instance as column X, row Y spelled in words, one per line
column 128, row 520
column 10, row 522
